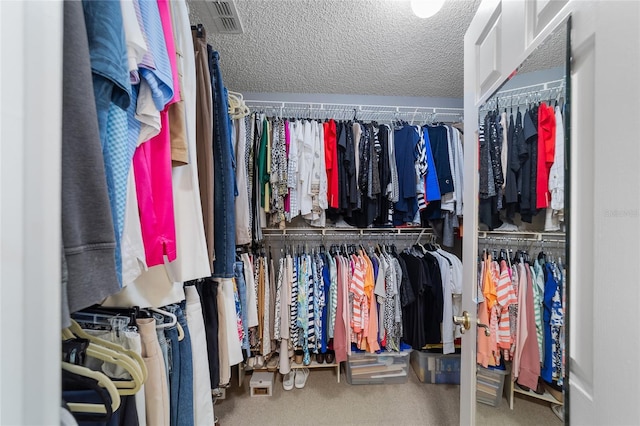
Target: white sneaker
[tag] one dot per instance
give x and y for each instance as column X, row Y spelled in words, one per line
column 507, row 227
column 287, row 380
column 301, row 377
column 340, row 223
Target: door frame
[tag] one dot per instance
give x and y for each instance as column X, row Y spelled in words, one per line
column 31, row 35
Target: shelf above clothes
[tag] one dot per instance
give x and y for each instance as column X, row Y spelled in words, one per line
column 342, row 231
column 415, row 234
column 525, row 95
column 379, row 113
column 555, row 237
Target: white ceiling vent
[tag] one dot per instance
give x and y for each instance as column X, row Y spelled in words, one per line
column 225, row 17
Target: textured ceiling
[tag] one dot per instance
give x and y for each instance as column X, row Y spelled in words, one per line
column 550, row 54
column 353, row 47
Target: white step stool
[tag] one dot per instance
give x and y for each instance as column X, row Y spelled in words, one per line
column 261, row 384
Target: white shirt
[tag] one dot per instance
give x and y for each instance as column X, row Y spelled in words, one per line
column 292, row 172
column 556, row 174
column 192, row 261
column 243, row 225
column 305, row 169
column 136, row 44
column 252, row 301
column 458, row 175
column 319, row 177
column 147, row 113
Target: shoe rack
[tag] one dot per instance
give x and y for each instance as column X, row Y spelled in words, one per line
column 315, row 364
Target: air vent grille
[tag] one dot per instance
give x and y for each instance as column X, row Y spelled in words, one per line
column 223, row 9
column 225, row 17
column 229, row 24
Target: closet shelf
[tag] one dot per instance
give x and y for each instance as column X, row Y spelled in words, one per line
column 524, row 235
column 510, row 389
column 321, row 110
column 314, row 364
column 341, row 231
column 545, row 397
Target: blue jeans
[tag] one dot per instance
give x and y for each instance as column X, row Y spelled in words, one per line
column 242, row 291
column 224, row 182
column 181, row 372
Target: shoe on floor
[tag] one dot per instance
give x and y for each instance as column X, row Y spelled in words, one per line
column 340, row 223
column 330, row 356
column 507, row 227
column 288, row 379
column 301, row 377
column 273, row 362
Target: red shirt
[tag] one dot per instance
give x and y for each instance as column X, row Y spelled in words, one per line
column 546, row 153
column 331, row 163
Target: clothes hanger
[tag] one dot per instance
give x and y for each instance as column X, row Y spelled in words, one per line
column 132, row 313
column 103, row 381
column 120, row 359
column 174, row 321
column 108, row 351
column 237, row 108
column 115, row 354
column 93, row 318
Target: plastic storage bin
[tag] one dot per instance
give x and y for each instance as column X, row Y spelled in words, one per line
column 436, row 368
column 385, row 368
column 490, row 383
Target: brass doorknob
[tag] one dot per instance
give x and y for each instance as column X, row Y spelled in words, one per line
column 464, row 321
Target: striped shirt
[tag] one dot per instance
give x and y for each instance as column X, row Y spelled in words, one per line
column 356, row 288
column 293, row 330
column 506, row 297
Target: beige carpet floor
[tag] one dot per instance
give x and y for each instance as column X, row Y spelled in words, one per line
column 323, row 401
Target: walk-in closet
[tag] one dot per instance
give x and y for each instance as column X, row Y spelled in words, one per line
column 289, row 212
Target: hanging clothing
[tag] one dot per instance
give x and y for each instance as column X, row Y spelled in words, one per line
column 546, row 153
column 85, row 226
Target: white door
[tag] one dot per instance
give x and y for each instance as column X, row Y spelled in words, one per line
column 604, row 235
column 604, row 341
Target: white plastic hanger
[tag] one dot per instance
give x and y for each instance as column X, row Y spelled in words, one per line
column 237, row 107
column 174, row 321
